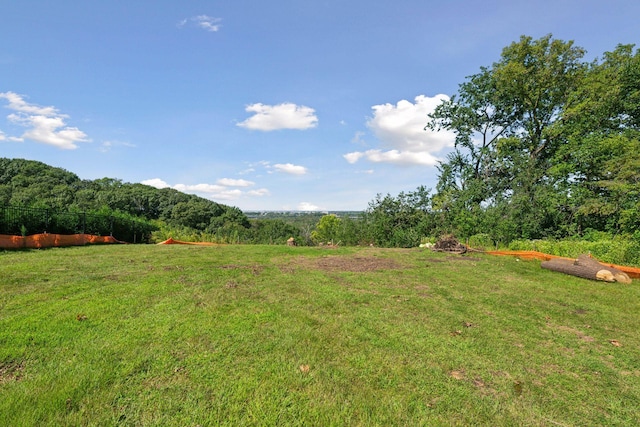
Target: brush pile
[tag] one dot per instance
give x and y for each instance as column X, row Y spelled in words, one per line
column 449, row 244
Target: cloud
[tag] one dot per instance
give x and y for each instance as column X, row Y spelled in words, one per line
column 4, row 137
column 306, row 206
column 235, row 182
column 106, row 146
column 400, row 129
column 259, row 192
column 393, row 156
column 281, row 116
column 44, row 124
column 204, row 22
column 155, row 182
column 200, row 188
column 290, row 169
column 220, row 191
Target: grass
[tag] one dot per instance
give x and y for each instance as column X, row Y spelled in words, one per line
column 272, row 335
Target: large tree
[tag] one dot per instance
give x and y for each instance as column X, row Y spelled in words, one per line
column 504, row 118
column 601, row 157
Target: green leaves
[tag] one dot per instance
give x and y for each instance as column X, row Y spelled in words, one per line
column 546, row 144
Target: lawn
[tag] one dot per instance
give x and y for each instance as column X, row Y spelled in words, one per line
column 135, row 335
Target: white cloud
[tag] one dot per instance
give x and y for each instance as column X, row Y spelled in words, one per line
column 219, row 191
column 259, row 192
column 235, row 182
column 200, row 188
column 155, row 182
column 204, row 22
column 354, row 157
column 207, row 23
column 44, row 124
column 358, row 138
column 306, row 206
column 393, row 156
column 17, row 103
column 4, row 137
column 281, row 116
column 400, row 128
column 290, row 169
column 106, row 146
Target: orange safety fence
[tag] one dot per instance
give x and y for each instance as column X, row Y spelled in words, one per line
column 46, row 240
column 170, row 241
column 633, row 272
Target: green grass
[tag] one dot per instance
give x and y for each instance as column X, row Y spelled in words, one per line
column 271, row 335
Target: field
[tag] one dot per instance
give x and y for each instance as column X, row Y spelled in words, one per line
column 135, row 335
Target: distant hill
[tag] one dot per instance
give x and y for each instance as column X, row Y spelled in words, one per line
column 35, row 184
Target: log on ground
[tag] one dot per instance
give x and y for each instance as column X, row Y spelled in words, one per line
column 588, row 268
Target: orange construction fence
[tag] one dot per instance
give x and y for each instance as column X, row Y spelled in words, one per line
column 47, row 240
column 633, row 272
column 170, row 241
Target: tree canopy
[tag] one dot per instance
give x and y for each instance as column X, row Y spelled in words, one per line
column 546, row 144
column 34, row 184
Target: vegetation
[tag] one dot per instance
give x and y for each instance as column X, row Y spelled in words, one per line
column 547, row 146
column 266, row 335
column 132, row 207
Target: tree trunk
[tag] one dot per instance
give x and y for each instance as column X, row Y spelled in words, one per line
column 587, row 268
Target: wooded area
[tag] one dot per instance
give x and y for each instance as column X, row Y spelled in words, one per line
column 547, row 145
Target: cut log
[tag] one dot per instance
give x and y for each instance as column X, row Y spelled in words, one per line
column 587, row 268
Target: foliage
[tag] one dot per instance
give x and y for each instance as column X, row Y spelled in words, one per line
column 547, row 146
column 618, row 249
column 274, row 231
column 36, row 185
column 327, row 230
column 399, row 221
column 103, row 222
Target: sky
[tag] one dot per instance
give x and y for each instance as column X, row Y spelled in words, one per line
column 313, row 105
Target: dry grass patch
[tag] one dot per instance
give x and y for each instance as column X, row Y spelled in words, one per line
column 11, row 371
column 347, row 263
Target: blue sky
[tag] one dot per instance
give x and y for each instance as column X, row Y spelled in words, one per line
column 263, row 105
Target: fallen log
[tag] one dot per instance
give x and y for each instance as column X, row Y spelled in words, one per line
column 586, row 267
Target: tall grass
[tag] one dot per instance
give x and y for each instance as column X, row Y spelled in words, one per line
column 272, row 335
column 616, row 250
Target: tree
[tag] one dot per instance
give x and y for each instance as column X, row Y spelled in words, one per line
column 399, row 221
column 503, row 118
column 601, row 156
column 327, row 229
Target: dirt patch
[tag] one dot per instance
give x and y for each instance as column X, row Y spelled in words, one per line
column 11, row 371
column 356, row 264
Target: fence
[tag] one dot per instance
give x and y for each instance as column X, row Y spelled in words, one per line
column 23, row 221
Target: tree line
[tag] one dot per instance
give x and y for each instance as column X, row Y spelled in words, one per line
column 36, row 185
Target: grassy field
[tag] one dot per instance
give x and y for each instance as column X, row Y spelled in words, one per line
column 137, row 335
